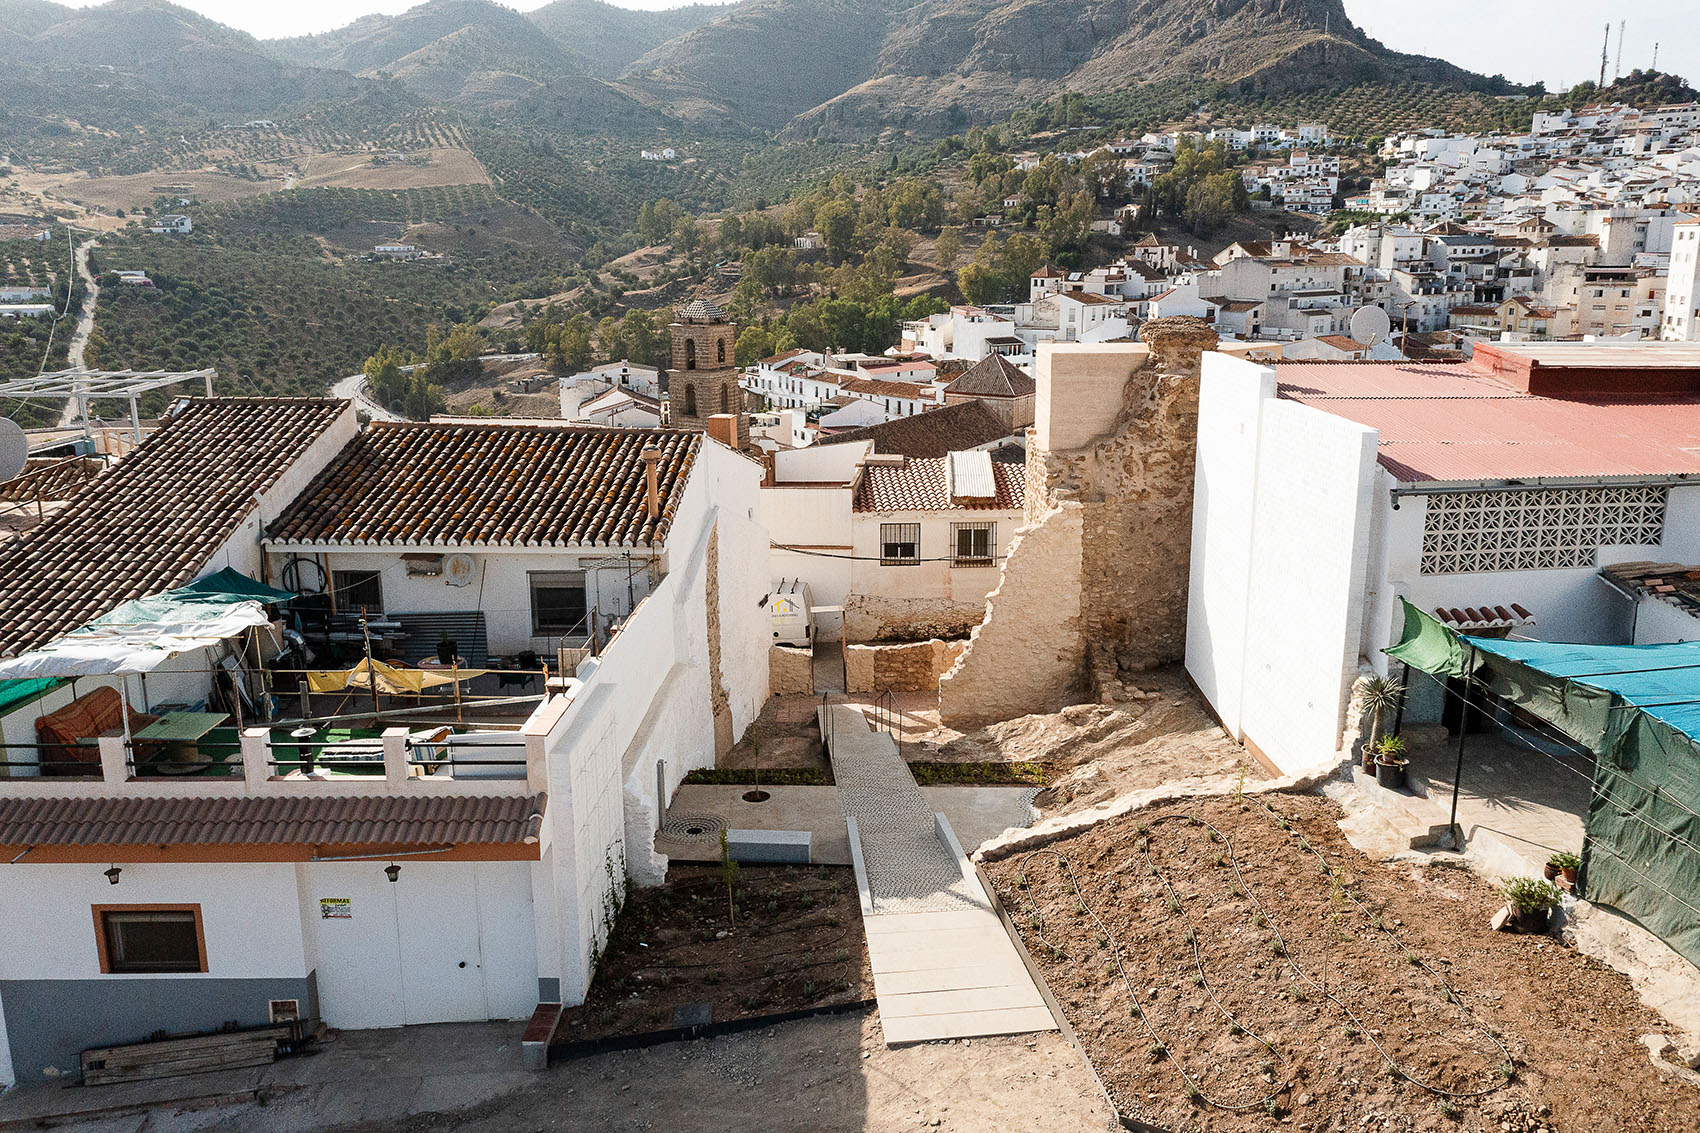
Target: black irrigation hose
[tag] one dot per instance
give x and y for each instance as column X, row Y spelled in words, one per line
column 1194, row 1088
column 1286, row 953
column 1506, row 1067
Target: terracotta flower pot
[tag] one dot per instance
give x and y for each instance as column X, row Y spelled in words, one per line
column 1551, row 872
column 1569, row 878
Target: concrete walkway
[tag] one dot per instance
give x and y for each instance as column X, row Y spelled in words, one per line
column 944, row 968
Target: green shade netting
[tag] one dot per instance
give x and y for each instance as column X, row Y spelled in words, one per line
column 1428, row 645
column 15, row 693
column 1637, row 707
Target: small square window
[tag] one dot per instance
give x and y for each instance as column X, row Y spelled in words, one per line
column 558, row 605
column 150, row 938
column 358, row 590
column 973, row 544
column 900, row 544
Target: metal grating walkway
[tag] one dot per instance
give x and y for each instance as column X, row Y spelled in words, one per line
column 944, row 967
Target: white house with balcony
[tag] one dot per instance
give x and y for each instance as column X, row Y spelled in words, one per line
column 379, row 855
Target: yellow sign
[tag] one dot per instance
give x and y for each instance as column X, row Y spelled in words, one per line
column 336, row 908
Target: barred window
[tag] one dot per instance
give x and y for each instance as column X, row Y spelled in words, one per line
column 973, row 544
column 1541, row 529
column 900, row 544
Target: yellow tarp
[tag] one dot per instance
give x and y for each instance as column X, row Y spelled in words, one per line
column 390, row 680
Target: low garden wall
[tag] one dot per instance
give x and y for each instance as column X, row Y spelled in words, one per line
column 912, row 667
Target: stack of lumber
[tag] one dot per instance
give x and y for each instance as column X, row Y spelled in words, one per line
column 167, row 1058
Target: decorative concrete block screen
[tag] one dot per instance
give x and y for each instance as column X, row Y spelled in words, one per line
column 1541, row 529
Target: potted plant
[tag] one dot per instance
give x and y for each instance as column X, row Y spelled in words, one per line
column 1380, row 696
column 1530, row 902
column 1390, row 763
column 1565, row 866
column 447, row 649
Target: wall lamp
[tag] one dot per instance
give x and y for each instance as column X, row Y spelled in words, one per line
column 112, row 873
column 392, row 871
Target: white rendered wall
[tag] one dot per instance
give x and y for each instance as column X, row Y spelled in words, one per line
column 248, row 912
column 1279, row 564
column 935, row 578
column 1658, row 622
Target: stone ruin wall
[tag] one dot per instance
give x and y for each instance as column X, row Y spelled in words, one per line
column 1095, row 586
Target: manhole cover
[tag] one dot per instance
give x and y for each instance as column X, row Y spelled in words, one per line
column 693, row 828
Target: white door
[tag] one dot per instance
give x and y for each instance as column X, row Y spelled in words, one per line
column 442, row 972
column 507, row 939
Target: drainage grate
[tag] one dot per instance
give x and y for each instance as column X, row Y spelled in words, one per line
column 693, row 828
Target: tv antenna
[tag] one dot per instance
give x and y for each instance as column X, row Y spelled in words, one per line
column 1605, row 56
column 1617, row 71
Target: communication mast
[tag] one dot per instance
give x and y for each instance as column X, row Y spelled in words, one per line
column 1618, row 70
column 1605, row 56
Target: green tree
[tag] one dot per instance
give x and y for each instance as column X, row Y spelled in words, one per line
column 836, row 222
column 947, row 248
column 754, row 344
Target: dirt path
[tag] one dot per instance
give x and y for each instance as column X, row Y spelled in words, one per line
column 818, row 1075
column 85, row 326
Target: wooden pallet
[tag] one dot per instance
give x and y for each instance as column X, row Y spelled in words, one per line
column 166, row 1058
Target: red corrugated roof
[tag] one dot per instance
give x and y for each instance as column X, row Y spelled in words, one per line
column 1445, row 423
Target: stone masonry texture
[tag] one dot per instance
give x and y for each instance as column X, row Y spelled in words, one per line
column 1109, row 521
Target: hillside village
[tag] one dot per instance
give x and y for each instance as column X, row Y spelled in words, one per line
column 1069, row 627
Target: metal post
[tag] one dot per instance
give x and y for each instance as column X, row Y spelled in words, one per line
column 135, row 421
column 1463, row 735
column 454, row 670
column 306, row 698
column 1404, row 694
column 371, row 670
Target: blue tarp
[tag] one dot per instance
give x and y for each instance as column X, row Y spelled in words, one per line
column 1662, row 680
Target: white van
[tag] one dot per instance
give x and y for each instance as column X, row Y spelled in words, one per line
column 793, row 613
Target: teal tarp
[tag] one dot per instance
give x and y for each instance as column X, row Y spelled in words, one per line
column 203, row 600
column 229, row 581
column 18, row 692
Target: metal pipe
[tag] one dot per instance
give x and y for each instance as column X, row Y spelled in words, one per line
column 1463, row 734
column 382, row 857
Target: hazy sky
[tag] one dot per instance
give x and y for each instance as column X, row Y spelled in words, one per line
column 1557, row 41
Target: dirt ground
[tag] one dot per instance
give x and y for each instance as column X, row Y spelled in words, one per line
column 1106, row 751
column 796, row 944
column 356, row 171
column 494, row 393
column 819, row 1075
column 1218, row 974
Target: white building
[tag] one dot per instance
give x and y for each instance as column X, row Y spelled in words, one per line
column 173, row 224
column 432, row 891
column 1681, row 321
column 1326, row 493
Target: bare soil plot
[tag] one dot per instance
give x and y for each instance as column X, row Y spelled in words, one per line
column 1269, row 987
column 796, row 945
column 140, row 189
column 424, row 169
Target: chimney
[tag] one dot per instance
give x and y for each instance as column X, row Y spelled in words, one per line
column 651, row 481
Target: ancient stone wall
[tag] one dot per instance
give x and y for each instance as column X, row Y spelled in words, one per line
column 1027, row 655
column 791, row 671
column 915, row 667
column 1109, row 508
column 879, row 617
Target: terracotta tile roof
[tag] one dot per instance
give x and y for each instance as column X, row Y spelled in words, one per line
column 153, row 522
column 1473, row 619
column 994, row 376
column 886, row 387
column 270, row 820
column 1669, row 582
column 921, row 485
column 935, row 433
column 1341, row 342
column 498, row 484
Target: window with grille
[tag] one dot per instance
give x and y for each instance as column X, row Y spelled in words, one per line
column 900, row 544
column 558, row 606
column 973, row 544
column 1543, row 529
column 358, row 590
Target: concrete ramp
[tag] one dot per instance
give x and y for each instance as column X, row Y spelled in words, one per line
column 944, row 968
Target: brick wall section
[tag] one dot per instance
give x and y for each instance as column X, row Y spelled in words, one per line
column 1109, row 503
column 915, row 667
column 792, row 671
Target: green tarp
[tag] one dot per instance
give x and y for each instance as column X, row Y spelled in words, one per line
column 1638, row 709
column 1429, row 646
column 203, row 600
column 234, row 582
column 14, row 693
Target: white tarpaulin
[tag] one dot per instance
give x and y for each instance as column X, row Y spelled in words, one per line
column 114, row 645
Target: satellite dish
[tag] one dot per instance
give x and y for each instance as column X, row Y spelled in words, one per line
column 1370, row 325
column 14, row 449
column 458, row 569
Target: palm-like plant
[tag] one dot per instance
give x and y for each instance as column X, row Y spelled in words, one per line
column 1380, row 696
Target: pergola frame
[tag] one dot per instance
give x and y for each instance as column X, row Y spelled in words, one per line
column 84, row 386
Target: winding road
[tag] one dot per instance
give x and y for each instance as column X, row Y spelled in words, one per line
column 85, row 327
